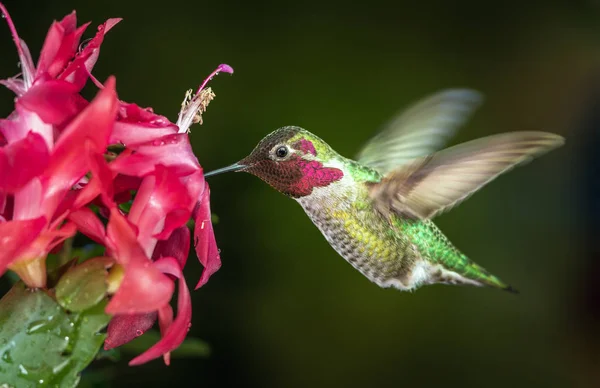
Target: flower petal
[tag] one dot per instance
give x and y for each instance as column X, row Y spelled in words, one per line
column 54, row 101
column 137, row 125
column 177, row 246
column 204, row 240
column 144, row 289
column 161, row 195
column 78, row 71
column 126, row 327
column 15, row 237
column 177, row 331
column 60, row 45
column 89, row 224
column 22, row 160
column 172, row 151
column 94, row 123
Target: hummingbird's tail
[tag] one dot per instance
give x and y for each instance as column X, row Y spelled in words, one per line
column 479, row 274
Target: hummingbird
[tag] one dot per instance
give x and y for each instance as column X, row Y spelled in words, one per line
column 376, row 211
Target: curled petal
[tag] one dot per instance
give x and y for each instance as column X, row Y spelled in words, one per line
column 165, row 319
column 137, row 125
column 172, row 151
column 15, row 237
column 78, row 71
column 177, row 246
column 177, row 331
column 126, row 327
column 204, row 240
column 22, row 160
column 160, row 196
column 60, row 45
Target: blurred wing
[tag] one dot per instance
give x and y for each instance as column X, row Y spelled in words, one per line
column 436, row 183
column 420, row 130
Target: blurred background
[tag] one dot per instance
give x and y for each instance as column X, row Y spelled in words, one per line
column 285, row 310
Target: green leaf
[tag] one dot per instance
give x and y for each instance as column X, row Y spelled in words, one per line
column 191, row 347
column 83, row 286
column 43, row 345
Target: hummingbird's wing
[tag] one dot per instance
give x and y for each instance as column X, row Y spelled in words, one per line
column 419, row 130
column 436, row 183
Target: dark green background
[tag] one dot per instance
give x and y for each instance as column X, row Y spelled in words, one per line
column 285, row 310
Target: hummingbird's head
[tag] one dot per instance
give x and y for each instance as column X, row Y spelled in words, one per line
column 291, row 160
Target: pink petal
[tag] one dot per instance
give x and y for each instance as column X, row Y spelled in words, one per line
column 144, row 289
column 77, row 72
column 28, row 202
column 15, row 85
column 22, row 160
column 15, row 237
column 57, row 236
column 54, row 101
column 204, row 240
column 101, row 182
column 22, row 121
column 94, row 123
column 177, row 331
column 126, row 327
column 22, row 50
column 137, row 125
column 89, row 224
column 172, row 151
column 177, row 246
column 161, row 195
column 165, row 319
column 60, row 45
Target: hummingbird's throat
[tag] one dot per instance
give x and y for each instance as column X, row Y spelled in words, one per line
column 314, row 174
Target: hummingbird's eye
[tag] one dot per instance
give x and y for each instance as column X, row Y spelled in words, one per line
column 281, row 152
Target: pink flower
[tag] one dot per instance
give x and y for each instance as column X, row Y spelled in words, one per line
column 40, row 161
column 55, row 162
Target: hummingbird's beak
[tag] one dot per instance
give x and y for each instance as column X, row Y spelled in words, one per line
column 233, row 167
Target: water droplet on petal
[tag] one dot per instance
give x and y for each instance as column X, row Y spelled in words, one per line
column 138, row 333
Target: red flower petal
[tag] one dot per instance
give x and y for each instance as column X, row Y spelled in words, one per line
column 89, row 224
column 172, row 151
column 22, row 160
column 94, row 123
column 60, row 45
column 177, row 331
column 136, row 125
column 161, row 195
column 165, row 319
column 78, row 71
column 23, row 121
column 54, row 101
column 143, row 289
column 15, row 237
column 101, row 182
column 177, row 246
column 124, row 328
column 204, row 240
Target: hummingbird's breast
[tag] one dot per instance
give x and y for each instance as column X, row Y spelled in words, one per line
column 345, row 215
